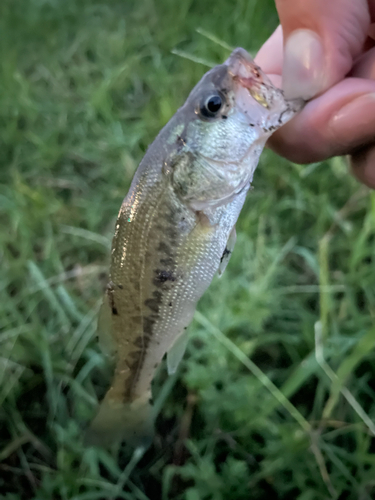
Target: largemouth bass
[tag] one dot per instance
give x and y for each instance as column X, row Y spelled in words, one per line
column 176, row 229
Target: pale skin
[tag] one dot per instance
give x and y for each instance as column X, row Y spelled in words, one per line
column 325, row 51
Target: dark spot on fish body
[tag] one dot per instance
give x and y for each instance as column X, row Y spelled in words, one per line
column 163, row 275
column 172, row 233
column 224, row 117
column 170, row 304
column 140, row 342
column 168, row 262
column 157, row 295
column 148, row 323
column 114, row 311
column 183, row 225
column 164, row 248
column 152, row 304
column 225, row 253
column 134, row 355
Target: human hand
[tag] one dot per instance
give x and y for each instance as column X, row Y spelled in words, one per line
column 329, row 52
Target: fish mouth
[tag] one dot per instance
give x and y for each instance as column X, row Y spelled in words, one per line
column 256, row 96
column 246, row 73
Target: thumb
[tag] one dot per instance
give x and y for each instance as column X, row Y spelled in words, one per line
column 321, row 40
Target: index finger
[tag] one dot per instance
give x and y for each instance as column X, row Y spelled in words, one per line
column 333, row 124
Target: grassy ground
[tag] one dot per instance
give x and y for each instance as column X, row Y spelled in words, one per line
column 276, row 396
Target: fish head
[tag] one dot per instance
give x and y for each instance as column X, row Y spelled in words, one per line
column 227, row 119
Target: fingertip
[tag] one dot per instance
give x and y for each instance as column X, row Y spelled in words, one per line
column 297, row 147
column 270, row 55
column 334, row 123
column 304, row 68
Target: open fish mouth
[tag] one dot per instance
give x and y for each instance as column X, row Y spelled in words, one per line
column 246, row 73
column 253, row 86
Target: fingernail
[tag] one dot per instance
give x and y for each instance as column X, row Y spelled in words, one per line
column 304, row 65
column 354, row 123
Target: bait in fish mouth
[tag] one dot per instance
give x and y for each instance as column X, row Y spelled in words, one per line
column 175, row 230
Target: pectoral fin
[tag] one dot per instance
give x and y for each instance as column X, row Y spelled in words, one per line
column 176, row 352
column 228, row 251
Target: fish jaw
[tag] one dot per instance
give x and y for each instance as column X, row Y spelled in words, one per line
column 257, row 97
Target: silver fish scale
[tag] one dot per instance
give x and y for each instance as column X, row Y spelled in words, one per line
column 158, row 274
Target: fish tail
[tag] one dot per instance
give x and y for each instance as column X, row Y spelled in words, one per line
column 116, row 421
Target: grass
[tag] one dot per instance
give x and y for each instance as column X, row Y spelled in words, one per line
column 275, row 398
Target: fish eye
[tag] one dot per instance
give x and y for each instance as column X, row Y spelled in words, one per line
column 211, row 106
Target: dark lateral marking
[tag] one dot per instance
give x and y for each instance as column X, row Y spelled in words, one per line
column 224, row 117
column 169, row 261
column 114, row 311
column 137, row 361
column 152, row 304
column 170, row 304
column 172, row 233
column 157, row 295
column 163, row 247
column 139, row 342
column 163, row 275
column 148, row 323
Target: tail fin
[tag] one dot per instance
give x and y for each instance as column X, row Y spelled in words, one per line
column 116, row 422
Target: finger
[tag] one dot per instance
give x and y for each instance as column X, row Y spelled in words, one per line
column 322, row 38
column 365, row 66
column 270, row 55
column 363, row 160
column 363, row 165
column 371, row 6
column 335, row 123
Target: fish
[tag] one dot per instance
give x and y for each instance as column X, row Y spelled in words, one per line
column 175, row 230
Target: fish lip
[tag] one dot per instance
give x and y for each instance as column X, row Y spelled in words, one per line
column 246, row 72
